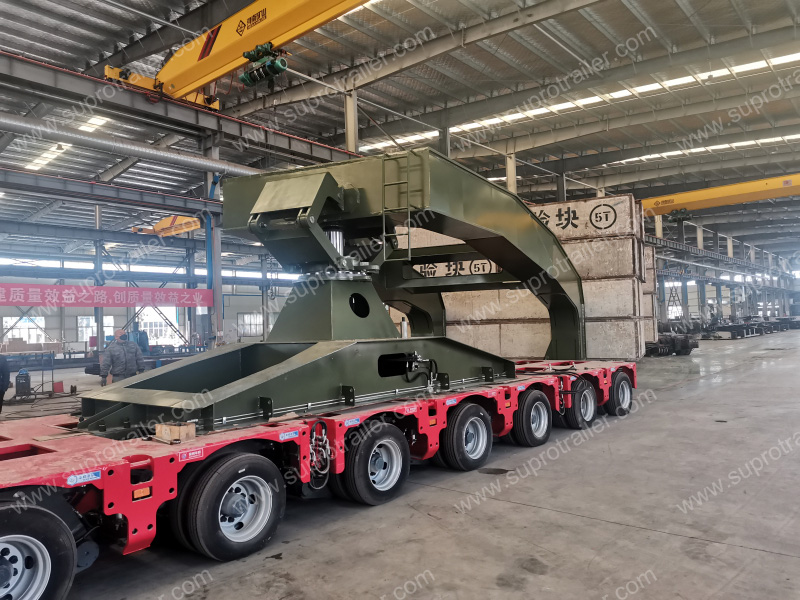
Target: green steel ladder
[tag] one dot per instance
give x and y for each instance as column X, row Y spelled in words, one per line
column 407, row 209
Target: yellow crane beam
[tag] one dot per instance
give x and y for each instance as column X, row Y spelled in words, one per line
column 726, row 195
column 170, row 226
column 221, row 49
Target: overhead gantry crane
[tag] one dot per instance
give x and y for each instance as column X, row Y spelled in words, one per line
column 253, row 36
column 725, row 195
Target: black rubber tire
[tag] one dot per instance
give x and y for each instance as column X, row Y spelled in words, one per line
column 178, row 509
column 523, row 432
column 337, row 486
column 357, row 463
column 202, row 515
column 615, row 405
column 573, row 417
column 509, row 439
column 455, row 454
column 51, row 531
column 438, row 460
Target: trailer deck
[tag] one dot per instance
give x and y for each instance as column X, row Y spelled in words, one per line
column 134, row 478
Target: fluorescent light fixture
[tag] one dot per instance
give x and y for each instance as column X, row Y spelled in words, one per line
column 748, row 143
column 770, row 140
column 383, row 144
column 513, row 117
column 431, row 134
column 782, row 60
column 492, row 121
column 2, row 194
column 621, row 94
column 792, row 137
column 469, row 126
column 650, row 87
column 589, row 100
column 41, row 161
column 50, row 155
column 719, row 147
column 365, row 148
column 33, row 167
column 415, row 138
column 713, row 74
column 697, row 150
column 679, row 81
column 536, row 111
column 87, row 128
column 98, row 121
column 650, row 156
column 563, row 106
column 455, row 129
column 401, row 140
column 761, row 64
column 672, row 153
column 497, row 178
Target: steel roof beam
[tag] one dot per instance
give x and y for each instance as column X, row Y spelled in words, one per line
column 513, row 102
column 421, row 53
column 38, row 111
column 199, row 19
column 134, row 105
column 589, row 161
column 122, row 237
column 609, row 181
column 555, row 136
column 100, row 193
column 118, row 169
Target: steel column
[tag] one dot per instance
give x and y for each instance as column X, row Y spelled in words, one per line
column 98, row 278
column 511, row 173
column 351, row 121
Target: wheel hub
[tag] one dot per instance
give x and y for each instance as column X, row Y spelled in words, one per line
column 234, row 506
column 6, row 572
column 25, row 567
column 245, row 509
column 378, row 464
column 475, row 438
column 385, row 465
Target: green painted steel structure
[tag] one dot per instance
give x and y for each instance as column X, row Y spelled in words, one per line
column 345, row 229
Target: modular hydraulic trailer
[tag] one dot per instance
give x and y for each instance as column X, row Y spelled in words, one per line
column 335, row 398
column 225, row 492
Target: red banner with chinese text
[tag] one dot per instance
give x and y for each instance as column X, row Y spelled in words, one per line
column 21, row 294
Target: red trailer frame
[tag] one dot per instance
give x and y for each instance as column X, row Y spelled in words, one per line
column 134, row 478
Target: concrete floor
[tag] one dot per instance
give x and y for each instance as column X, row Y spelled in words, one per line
column 597, row 520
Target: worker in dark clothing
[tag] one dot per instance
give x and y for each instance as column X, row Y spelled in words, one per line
column 122, row 359
column 5, row 380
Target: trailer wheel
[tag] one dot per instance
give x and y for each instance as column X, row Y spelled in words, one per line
column 235, row 507
column 468, row 437
column 584, row 405
column 621, row 399
column 337, row 486
column 179, row 507
column 377, row 464
column 37, row 554
column 438, row 459
column 533, row 419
